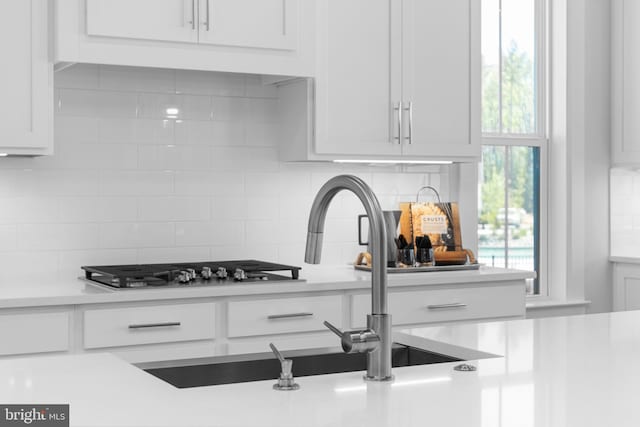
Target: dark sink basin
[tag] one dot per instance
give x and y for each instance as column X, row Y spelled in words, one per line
column 263, row 366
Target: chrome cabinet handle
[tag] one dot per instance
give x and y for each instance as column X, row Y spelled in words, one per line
column 398, row 108
column 207, row 26
column 409, row 110
column 193, row 15
column 445, row 306
column 154, row 325
column 288, row 316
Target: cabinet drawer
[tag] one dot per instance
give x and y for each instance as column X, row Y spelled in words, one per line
column 446, row 305
column 34, row 333
column 284, row 315
column 116, row 327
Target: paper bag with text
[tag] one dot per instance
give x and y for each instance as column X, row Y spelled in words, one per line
column 441, row 222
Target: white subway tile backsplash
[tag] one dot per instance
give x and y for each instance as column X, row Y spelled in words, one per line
column 195, row 233
column 263, row 110
column 174, row 157
column 230, row 233
column 97, row 209
column 136, row 235
column 158, row 131
column 206, row 83
column 226, row 108
column 292, row 232
column 229, row 208
column 8, row 237
column 293, row 254
column 137, row 79
column 196, row 107
column 21, row 266
column 60, row 182
column 173, row 209
column 295, row 206
column 257, row 159
column 160, row 106
column 262, row 208
column 97, row 103
column 210, row 133
column 71, row 261
column 156, row 165
column 57, row 236
column 262, row 134
column 19, row 210
column 173, row 254
column 135, row 183
column 261, row 184
column 262, row 232
column 194, row 183
column 74, row 129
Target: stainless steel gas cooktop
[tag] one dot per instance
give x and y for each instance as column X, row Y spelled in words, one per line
column 189, row 274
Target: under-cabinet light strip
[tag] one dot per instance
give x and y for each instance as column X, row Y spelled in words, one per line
column 413, row 162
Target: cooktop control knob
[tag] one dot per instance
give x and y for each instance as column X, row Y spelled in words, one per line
column 184, row 276
column 206, row 273
column 239, row 275
column 222, row 273
column 192, row 273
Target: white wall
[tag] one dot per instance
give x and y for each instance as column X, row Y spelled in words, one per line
column 127, row 184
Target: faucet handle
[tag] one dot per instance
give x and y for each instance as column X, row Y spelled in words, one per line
column 333, row 329
column 286, row 380
column 358, row 341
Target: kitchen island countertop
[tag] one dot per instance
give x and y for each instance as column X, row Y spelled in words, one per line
column 317, row 278
column 578, row 371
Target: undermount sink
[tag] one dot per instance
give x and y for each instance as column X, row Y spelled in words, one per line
column 263, row 366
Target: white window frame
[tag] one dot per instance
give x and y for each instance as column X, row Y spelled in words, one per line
column 539, row 139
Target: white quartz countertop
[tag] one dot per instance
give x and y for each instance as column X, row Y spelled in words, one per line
column 317, row 278
column 579, row 371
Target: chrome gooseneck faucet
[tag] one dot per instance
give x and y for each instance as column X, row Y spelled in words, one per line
column 376, row 339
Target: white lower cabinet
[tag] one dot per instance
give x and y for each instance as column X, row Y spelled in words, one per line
column 188, row 328
column 445, row 305
column 626, row 287
column 283, row 315
column 116, row 327
column 36, row 332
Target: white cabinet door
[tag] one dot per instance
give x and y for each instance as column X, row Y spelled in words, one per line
column 26, row 78
column 357, row 77
column 169, row 20
column 36, row 332
column 270, row 24
column 626, row 82
column 626, row 287
column 440, row 80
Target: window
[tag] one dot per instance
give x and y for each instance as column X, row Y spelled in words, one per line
column 512, row 172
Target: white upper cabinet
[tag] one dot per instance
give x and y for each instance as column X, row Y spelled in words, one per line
column 269, row 24
column 26, row 79
column 626, row 82
column 395, row 79
column 357, row 82
column 441, row 78
column 250, row 36
column 165, row 20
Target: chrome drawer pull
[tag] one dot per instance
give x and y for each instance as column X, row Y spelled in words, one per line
column 445, row 306
column 153, row 325
column 288, row 316
column 399, row 110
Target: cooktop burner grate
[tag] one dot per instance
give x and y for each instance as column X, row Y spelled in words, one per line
column 188, row 274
